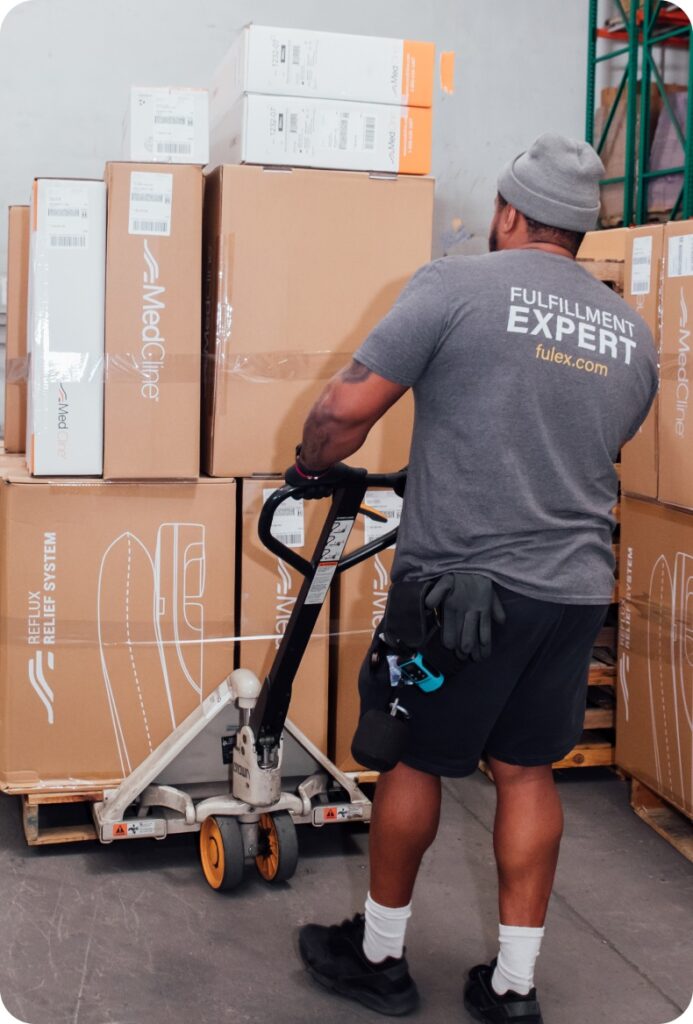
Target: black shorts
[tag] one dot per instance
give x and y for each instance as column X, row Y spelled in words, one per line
column 524, row 705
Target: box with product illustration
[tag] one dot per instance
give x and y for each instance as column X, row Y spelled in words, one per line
column 299, row 266
column 109, row 636
column 15, row 341
column 644, row 250
column 357, row 608
column 268, row 591
column 654, row 734
column 153, row 309
column 675, row 405
column 167, row 124
column 289, row 131
column 65, row 327
column 323, row 65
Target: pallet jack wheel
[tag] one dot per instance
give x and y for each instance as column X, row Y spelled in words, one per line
column 278, row 845
column 222, row 853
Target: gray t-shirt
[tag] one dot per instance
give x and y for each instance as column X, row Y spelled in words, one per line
column 528, row 376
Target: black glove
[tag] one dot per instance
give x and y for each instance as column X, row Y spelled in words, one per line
column 469, row 604
column 323, row 483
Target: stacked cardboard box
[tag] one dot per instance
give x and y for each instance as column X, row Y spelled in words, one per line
column 15, row 351
column 320, row 99
column 128, row 627
column 299, row 266
column 656, row 621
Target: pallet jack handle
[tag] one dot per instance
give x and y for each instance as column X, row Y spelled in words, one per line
column 269, row 714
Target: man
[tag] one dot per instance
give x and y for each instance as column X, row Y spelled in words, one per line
column 528, row 376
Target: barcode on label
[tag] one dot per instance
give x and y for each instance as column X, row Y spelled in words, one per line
column 680, row 256
column 64, row 211
column 68, row 241
column 292, row 540
column 295, row 54
column 288, row 524
column 149, row 197
column 641, row 265
column 173, row 148
column 293, row 122
column 343, row 131
column 170, row 119
column 369, row 133
column 150, row 227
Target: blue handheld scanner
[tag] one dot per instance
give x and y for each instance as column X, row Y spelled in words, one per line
column 416, row 671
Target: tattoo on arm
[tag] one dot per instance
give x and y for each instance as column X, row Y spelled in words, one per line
column 354, row 373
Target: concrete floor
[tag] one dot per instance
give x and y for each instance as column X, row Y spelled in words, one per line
column 131, row 933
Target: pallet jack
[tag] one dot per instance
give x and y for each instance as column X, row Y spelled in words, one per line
column 250, row 781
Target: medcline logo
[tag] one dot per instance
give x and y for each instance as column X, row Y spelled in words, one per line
column 380, row 587
column 153, row 345
column 38, row 681
column 63, row 422
column 285, row 601
column 682, row 382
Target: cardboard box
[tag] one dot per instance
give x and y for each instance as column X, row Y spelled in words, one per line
column 268, row 591
column 654, row 738
column 676, row 366
column 289, row 131
column 644, row 248
column 109, row 635
column 15, row 341
column 604, row 245
column 323, row 65
column 167, row 124
column 153, row 311
column 282, row 318
column 358, row 606
column 65, row 331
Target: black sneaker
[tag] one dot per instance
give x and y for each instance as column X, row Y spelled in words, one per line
column 334, row 957
column 484, row 1005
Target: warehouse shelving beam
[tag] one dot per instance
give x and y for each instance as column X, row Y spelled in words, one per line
column 643, row 32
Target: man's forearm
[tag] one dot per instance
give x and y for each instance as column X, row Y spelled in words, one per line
column 326, row 440
column 339, row 422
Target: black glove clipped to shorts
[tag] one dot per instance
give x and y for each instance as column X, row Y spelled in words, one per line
column 467, row 606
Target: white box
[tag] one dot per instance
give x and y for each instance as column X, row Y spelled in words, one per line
column 300, row 132
column 65, row 327
column 167, row 125
column 323, row 65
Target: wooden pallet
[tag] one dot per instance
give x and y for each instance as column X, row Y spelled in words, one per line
column 665, row 819
column 595, row 750
column 39, row 834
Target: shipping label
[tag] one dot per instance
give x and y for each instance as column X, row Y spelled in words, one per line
column 151, row 200
column 641, row 269
column 173, row 124
column 65, row 214
column 288, row 524
column 388, row 504
column 680, row 256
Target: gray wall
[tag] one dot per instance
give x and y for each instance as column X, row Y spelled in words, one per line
column 66, row 65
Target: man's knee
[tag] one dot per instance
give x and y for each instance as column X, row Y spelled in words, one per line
column 518, row 775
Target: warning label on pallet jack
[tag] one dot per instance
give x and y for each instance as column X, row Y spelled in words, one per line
column 133, row 829
column 331, row 553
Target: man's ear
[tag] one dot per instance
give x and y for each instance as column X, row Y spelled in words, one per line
column 509, row 218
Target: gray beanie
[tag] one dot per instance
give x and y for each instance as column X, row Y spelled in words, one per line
column 556, row 182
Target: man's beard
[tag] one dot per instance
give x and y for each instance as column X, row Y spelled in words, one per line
column 493, row 240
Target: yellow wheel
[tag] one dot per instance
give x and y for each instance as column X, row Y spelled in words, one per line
column 278, row 847
column 221, row 853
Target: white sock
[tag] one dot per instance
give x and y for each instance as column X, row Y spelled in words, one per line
column 519, row 949
column 385, row 929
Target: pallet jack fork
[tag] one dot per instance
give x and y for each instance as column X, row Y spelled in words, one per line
column 255, row 818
